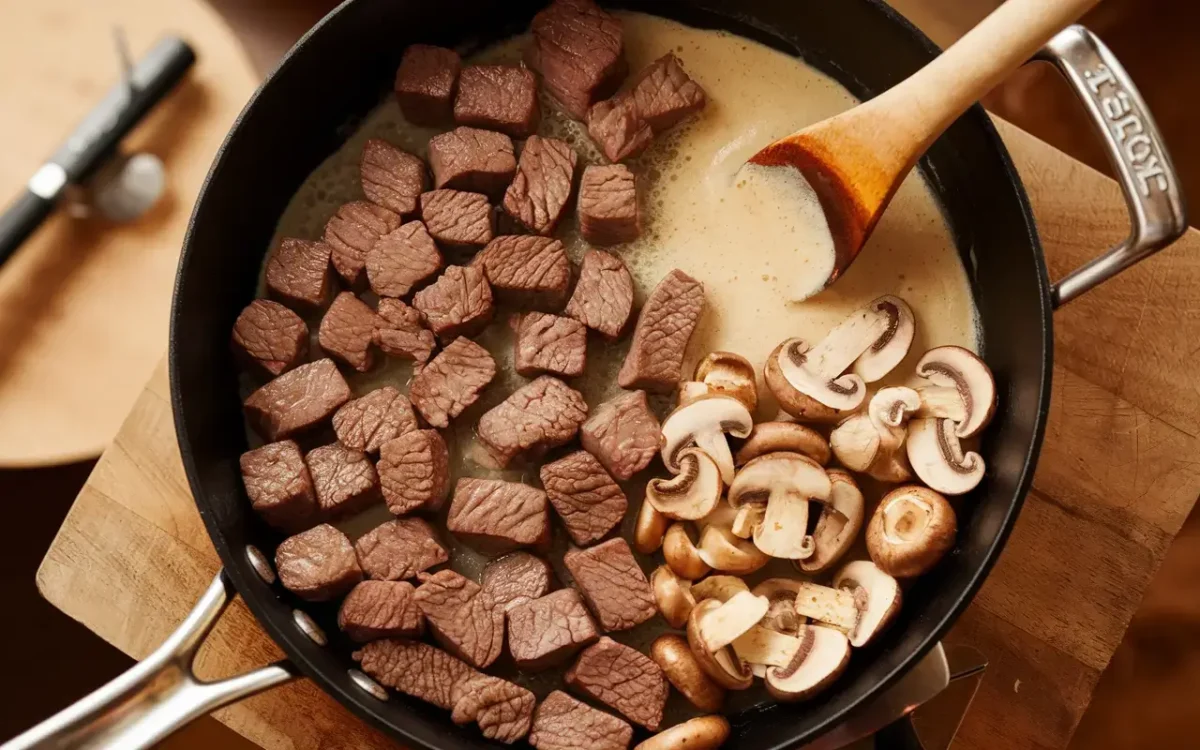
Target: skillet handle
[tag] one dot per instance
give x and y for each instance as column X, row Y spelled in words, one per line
column 158, row 695
column 1157, row 214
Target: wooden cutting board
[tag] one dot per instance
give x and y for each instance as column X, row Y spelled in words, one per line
column 1119, row 472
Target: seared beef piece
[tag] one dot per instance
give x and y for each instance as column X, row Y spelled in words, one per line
column 623, row 434
column 603, row 296
column 297, row 400
column 541, row 415
column 298, row 273
column 269, row 338
column 458, row 219
column 381, row 609
column 459, row 303
column 366, row 423
column 498, row 97
column 442, row 389
column 664, row 94
column 480, row 161
column 608, row 207
column 548, row 631
column 464, row 618
column 660, row 340
column 396, row 550
column 527, row 271
column 612, row 584
column 563, row 723
column 577, row 48
column 415, row 669
column 414, row 470
column 547, row 343
column 622, row 678
column 503, row 710
column 542, row 187
column 616, row 128
column 401, row 259
column 279, row 485
column 317, row 564
column 425, row 83
column 515, row 578
column 495, row 516
column 391, row 178
column 353, row 231
column 344, row 480
column 399, row 332
column 585, row 497
column 346, row 331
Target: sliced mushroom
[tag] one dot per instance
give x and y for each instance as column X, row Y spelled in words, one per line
column 773, row 437
column 671, row 653
column 721, row 550
column 837, row 526
column 700, row 733
column 731, row 375
column 725, row 667
column 719, row 587
column 784, row 483
column 961, row 388
column 827, row 604
column 781, row 614
column 650, row 529
column 704, row 423
column 873, row 442
column 693, row 492
column 792, row 401
column 673, row 596
column 876, row 594
column 721, row 625
column 891, row 347
column 820, row 659
column 938, row 459
column 681, row 553
column 766, row 647
column 912, row 529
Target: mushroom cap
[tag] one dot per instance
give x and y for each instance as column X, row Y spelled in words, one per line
column 781, row 615
column 772, row 437
column 704, row 423
column 671, row 653
column 871, row 442
column 794, row 387
column 937, row 457
column 876, row 594
column 731, row 375
column 837, row 526
column 911, row 530
column 693, row 492
column 674, row 599
column 963, row 370
column 699, row 733
column 719, row 587
column 725, row 667
column 681, row 554
column 786, row 482
column 891, row 347
column 649, row 530
column 820, row 659
column 689, row 391
column 721, row 550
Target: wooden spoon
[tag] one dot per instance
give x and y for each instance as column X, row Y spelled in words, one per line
column 855, row 161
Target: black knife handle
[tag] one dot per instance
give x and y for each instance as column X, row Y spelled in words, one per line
column 20, row 219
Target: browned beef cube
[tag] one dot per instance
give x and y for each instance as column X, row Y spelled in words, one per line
column 563, row 723
column 503, row 710
column 480, row 161
column 549, row 344
column 527, row 271
column 381, row 609
column 353, row 231
column 347, row 330
column 399, row 332
column 391, row 178
column 622, row 678
column 457, row 218
column 425, row 83
column 453, row 381
column 660, row 340
column 612, row 584
column 585, row 497
column 366, row 423
column 269, row 338
column 578, row 50
column 279, row 485
column 495, row 516
column 664, row 94
column 616, row 128
column 297, row 400
column 542, row 187
column 399, row 549
column 603, row 296
column 623, row 434
column 547, row 631
column 317, row 564
column 401, row 259
column 298, row 273
column 608, row 207
column 415, row 669
column 540, row 415
column 458, row 304
column 344, row 480
column 464, row 618
column 517, row 577
column 414, row 470
column 498, row 97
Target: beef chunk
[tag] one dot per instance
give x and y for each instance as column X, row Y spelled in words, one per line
column 344, row 480
column 498, row 97
column 366, row 423
column 542, row 187
column 269, row 338
column 612, row 584
column 401, row 259
column 660, row 340
column 279, row 485
column 664, row 94
column 622, row 678
column 414, row 470
column 415, row 669
column 503, row 710
column 578, row 50
column 549, row 344
column 479, row 161
column 608, row 208
column 399, row 549
column 298, row 273
column 527, row 271
column 425, row 83
column 515, row 578
column 623, row 434
column 346, row 331
column 585, row 497
column 603, row 296
column 464, row 618
column 540, row 415
column 458, row 219
column 616, row 128
column 391, row 178
column 459, row 303
column 563, row 723
column 381, row 609
column 297, row 400
column 317, row 564
column 547, row 631
column 453, row 381
column 353, row 231
column 495, row 516
column 399, row 332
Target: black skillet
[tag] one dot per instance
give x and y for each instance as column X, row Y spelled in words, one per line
column 342, row 69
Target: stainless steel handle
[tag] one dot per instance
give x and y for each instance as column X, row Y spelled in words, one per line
column 156, row 697
column 1138, row 155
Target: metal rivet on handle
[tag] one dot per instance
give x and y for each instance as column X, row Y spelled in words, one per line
column 366, row 683
column 309, row 627
column 260, row 563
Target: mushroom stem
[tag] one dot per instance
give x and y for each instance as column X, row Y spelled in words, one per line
column 748, row 518
column 759, row 645
column 941, row 401
column 723, row 625
column 834, row 354
column 828, row 605
column 784, row 527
